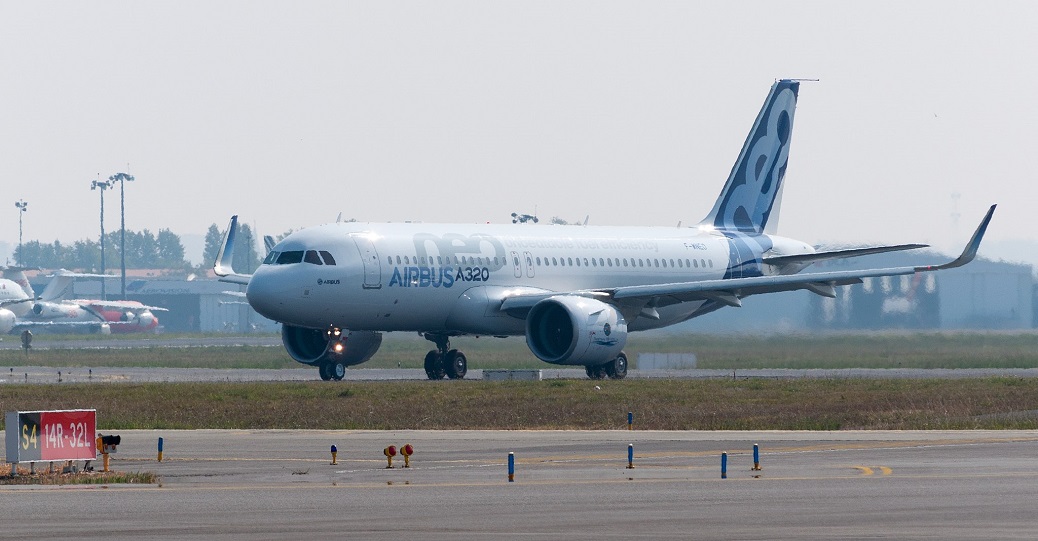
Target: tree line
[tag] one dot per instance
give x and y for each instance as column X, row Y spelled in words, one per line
column 144, row 250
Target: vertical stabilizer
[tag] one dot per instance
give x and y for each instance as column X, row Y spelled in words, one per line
column 750, row 197
column 17, row 275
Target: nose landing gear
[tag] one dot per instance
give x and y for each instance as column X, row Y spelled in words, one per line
column 332, row 366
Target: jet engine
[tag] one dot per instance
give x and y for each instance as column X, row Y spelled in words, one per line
column 311, row 346
column 575, row 330
column 7, row 320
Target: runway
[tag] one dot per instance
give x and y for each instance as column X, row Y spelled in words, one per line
column 49, row 375
column 568, row 484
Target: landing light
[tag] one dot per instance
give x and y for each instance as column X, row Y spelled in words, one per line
column 338, row 347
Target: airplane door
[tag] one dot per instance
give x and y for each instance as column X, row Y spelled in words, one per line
column 516, row 267
column 529, row 264
column 372, row 265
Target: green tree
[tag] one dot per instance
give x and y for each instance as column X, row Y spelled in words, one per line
column 171, row 251
column 213, row 241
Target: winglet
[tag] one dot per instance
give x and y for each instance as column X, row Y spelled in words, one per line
column 224, row 265
column 970, row 251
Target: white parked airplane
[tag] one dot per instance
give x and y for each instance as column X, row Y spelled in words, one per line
column 21, row 308
column 574, row 292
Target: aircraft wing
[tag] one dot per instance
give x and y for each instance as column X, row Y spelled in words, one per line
column 119, row 305
column 839, row 254
column 730, row 291
column 223, row 266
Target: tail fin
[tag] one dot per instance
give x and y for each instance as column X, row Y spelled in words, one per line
column 750, row 197
column 17, row 275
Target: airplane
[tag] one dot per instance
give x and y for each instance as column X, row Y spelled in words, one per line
column 49, row 310
column 574, row 292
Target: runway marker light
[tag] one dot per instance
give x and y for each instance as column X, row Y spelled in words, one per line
column 160, row 449
column 756, row 457
column 335, row 451
column 407, row 450
column 390, row 452
column 724, row 465
column 511, row 467
column 630, row 420
column 630, row 456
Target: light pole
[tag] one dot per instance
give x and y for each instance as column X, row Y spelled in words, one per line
column 21, row 204
column 102, row 185
column 120, row 178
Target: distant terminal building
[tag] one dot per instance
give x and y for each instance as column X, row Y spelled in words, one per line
column 197, row 305
column 982, row 295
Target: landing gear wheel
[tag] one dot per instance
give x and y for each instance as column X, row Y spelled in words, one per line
column 337, row 369
column 595, row 371
column 434, row 365
column 617, row 368
column 455, row 364
column 325, row 369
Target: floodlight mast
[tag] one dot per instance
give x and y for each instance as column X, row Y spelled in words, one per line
column 21, row 204
column 102, row 185
column 120, row 178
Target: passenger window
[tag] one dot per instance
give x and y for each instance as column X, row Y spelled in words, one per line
column 695, row 263
column 538, row 260
column 287, row 258
column 610, row 262
column 664, row 263
column 569, row 261
column 312, row 257
column 671, row 262
column 625, row 261
column 594, row 262
column 704, row 263
column 681, row 263
column 601, row 262
column 398, row 260
column 554, row 261
column 585, row 261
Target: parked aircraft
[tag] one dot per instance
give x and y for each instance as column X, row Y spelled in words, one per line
column 50, row 310
column 574, row 292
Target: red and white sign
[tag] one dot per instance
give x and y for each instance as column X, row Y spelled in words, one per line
column 40, row 436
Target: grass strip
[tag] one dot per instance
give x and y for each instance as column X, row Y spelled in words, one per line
column 831, row 350
column 751, row 404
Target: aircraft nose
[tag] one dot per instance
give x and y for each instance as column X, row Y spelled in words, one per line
column 266, row 294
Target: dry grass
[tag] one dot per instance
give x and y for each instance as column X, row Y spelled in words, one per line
column 753, row 404
column 79, row 478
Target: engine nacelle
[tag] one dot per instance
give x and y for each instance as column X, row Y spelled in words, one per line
column 575, row 330
column 7, row 320
column 311, row 346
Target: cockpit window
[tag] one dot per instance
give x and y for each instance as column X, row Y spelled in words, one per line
column 312, row 257
column 293, row 256
column 271, row 257
column 328, row 259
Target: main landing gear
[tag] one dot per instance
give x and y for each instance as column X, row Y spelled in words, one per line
column 444, row 361
column 615, row 369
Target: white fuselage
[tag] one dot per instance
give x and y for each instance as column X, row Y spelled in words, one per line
column 451, row 278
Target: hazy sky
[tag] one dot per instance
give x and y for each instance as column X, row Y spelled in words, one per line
column 288, row 113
